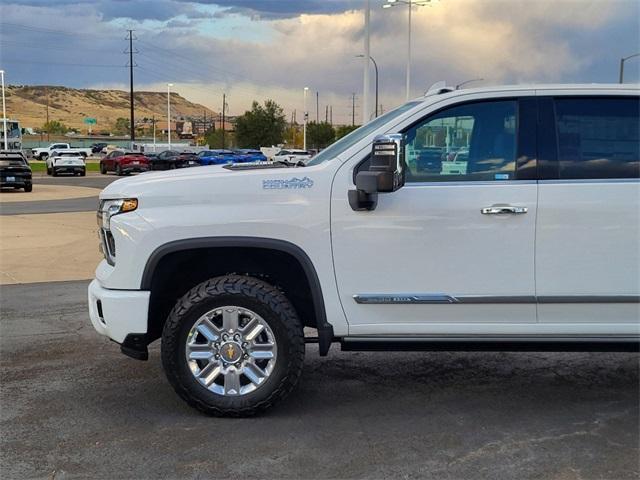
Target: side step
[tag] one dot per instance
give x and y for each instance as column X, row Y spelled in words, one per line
column 493, row 343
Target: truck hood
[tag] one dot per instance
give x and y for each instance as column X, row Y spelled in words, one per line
column 205, row 184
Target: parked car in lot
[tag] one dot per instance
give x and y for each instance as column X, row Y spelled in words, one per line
column 123, row 163
column 218, row 157
column 15, row 171
column 171, row 159
column 250, row 155
column 98, row 147
column 44, row 152
column 292, row 155
column 66, row 162
column 533, row 245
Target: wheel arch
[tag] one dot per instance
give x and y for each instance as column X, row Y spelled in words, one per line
column 213, row 247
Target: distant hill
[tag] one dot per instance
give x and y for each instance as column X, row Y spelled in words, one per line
column 28, row 104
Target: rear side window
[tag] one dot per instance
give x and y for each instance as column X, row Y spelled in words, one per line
column 598, row 138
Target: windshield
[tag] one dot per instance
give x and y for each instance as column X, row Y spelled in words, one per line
column 354, row 137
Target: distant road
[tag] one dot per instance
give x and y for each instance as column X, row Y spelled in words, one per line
column 84, row 204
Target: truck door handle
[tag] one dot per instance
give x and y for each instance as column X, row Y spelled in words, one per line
column 503, row 210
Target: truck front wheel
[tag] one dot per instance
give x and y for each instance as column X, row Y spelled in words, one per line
column 233, row 346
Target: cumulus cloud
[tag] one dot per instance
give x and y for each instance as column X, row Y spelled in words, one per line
column 315, row 43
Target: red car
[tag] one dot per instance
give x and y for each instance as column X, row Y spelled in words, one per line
column 124, row 163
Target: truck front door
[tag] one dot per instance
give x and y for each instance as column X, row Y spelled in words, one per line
column 452, row 252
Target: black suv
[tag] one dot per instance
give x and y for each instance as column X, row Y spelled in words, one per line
column 15, row 171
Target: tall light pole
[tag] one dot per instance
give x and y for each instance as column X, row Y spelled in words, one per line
column 305, row 115
column 4, row 113
column 622, row 60
column 410, row 4
column 365, row 65
column 169, row 85
column 376, row 67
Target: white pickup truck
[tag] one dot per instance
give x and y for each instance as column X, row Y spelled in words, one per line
column 531, row 243
column 44, row 152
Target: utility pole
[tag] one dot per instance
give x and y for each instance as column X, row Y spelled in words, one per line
column 331, row 114
column 153, row 120
column 353, row 109
column 224, row 104
column 48, row 135
column 317, row 108
column 326, row 114
column 131, row 120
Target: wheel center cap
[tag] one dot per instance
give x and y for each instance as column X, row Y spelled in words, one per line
column 230, row 352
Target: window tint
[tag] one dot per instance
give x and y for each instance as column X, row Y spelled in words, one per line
column 476, row 141
column 598, row 137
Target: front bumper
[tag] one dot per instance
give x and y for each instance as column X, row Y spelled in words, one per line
column 118, row 313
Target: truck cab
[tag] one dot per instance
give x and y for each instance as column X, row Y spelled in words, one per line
column 503, row 218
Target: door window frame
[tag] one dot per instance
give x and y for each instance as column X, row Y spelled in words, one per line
column 526, row 151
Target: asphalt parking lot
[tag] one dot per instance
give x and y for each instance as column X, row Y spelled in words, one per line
column 73, row 406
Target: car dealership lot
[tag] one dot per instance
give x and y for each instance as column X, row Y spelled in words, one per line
column 73, row 405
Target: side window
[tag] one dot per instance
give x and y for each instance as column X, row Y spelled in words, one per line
column 598, row 137
column 475, row 141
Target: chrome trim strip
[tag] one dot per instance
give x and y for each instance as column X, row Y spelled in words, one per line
column 589, row 299
column 474, row 182
column 442, row 298
column 590, row 180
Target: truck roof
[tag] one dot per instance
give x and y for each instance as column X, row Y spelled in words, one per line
column 440, row 89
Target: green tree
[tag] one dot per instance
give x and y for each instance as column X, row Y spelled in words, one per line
column 293, row 136
column 262, row 126
column 320, row 135
column 214, row 139
column 122, row 125
column 56, row 127
column 343, row 130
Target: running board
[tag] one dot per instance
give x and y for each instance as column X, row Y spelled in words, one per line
column 493, row 343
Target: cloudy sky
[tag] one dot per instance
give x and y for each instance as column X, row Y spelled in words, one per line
column 258, row 49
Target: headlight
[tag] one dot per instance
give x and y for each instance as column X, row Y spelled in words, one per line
column 109, row 208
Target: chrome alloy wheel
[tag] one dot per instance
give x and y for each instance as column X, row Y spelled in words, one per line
column 231, row 351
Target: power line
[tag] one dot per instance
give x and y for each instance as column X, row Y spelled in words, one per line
column 10, row 60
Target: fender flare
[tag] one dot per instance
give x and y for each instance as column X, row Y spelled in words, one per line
column 325, row 329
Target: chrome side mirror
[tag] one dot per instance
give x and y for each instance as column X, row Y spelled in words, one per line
column 386, row 172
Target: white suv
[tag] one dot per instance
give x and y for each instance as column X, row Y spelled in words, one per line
column 530, row 243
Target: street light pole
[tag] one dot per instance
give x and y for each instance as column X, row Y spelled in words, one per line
column 409, row 54
column 375, row 65
column 305, row 115
column 365, row 88
column 4, row 112
column 410, row 4
column 622, row 60
column 169, row 85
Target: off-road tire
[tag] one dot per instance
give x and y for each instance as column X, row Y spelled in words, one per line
column 83, row 173
column 247, row 292
column 28, row 187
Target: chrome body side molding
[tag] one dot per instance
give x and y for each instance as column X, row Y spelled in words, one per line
column 442, row 298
